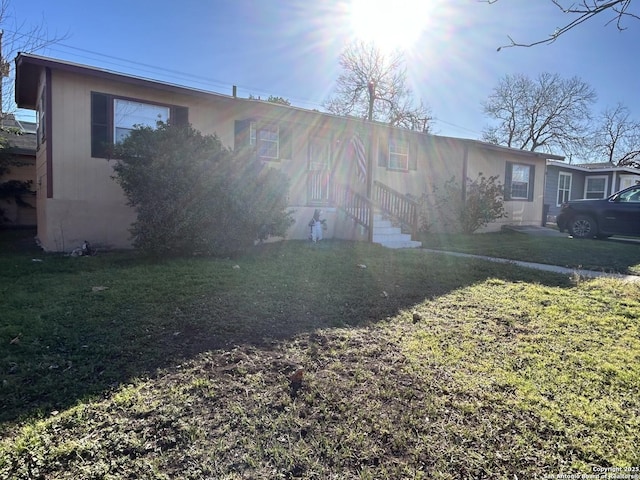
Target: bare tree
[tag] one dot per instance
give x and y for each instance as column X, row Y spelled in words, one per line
column 616, row 137
column 548, row 113
column 581, row 11
column 18, row 36
column 373, row 85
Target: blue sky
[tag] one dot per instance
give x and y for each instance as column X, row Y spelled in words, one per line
column 290, row 48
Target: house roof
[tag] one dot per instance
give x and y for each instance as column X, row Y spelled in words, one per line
column 29, row 66
column 596, row 165
column 601, row 167
column 22, row 142
column 537, row 155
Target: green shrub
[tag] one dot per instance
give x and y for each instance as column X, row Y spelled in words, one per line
column 458, row 211
column 194, row 196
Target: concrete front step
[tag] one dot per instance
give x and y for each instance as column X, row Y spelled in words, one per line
column 377, row 230
column 402, row 244
column 389, row 236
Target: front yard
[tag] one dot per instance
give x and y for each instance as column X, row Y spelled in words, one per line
column 413, row 366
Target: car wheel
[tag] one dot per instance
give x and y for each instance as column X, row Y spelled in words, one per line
column 583, row 226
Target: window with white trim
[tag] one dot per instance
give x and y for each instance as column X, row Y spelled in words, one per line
column 520, row 175
column 564, row 187
column 627, row 181
column 595, row 187
column 128, row 114
column 267, row 139
column 398, row 155
column 113, row 118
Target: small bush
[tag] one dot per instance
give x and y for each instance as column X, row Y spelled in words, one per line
column 194, row 196
column 455, row 210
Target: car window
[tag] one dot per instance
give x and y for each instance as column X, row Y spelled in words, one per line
column 632, row 195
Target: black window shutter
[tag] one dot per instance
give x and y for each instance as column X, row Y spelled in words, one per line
column 241, row 134
column 507, row 180
column 383, row 153
column 286, row 149
column 100, row 138
column 532, row 176
column 413, row 156
column 180, row 116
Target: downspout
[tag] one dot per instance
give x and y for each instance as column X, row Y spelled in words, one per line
column 48, row 126
column 465, row 172
column 372, row 96
column 370, row 181
column 613, row 187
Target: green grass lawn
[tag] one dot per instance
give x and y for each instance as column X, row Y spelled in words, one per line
column 417, row 366
column 615, row 255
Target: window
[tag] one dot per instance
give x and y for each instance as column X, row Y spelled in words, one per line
column 595, row 187
column 627, row 181
column 398, row 155
column 269, row 141
column 518, row 184
column 128, row 114
column 113, row 118
column 632, row 195
column 564, row 187
column 520, row 181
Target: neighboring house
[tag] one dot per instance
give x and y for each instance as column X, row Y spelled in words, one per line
column 587, row 180
column 83, row 110
column 22, row 147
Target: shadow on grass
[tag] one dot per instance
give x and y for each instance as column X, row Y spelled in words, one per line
column 78, row 327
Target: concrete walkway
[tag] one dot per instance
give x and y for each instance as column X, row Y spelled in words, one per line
column 534, row 230
column 542, row 266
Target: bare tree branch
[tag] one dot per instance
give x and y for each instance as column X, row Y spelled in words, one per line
column 616, row 137
column 548, row 113
column 390, row 100
column 19, row 36
column 585, row 10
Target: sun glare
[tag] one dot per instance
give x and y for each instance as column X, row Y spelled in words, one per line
column 390, row 24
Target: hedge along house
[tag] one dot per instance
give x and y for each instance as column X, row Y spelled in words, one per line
column 346, row 167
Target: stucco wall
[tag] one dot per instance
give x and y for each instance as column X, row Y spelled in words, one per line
column 87, row 204
column 491, row 162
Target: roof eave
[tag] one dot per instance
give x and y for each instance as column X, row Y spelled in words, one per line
column 500, row 148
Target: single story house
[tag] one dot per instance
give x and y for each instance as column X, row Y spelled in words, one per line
column 347, row 167
column 20, row 137
column 566, row 182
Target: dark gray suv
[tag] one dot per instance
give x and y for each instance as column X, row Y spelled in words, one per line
column 617, row 215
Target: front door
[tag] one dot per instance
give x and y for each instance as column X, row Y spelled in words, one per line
column 318, row 171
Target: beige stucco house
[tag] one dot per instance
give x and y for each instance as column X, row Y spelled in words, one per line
column 82, row 110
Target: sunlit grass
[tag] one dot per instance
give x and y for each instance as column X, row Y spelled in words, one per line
column 417, row 366
column 613, row 255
